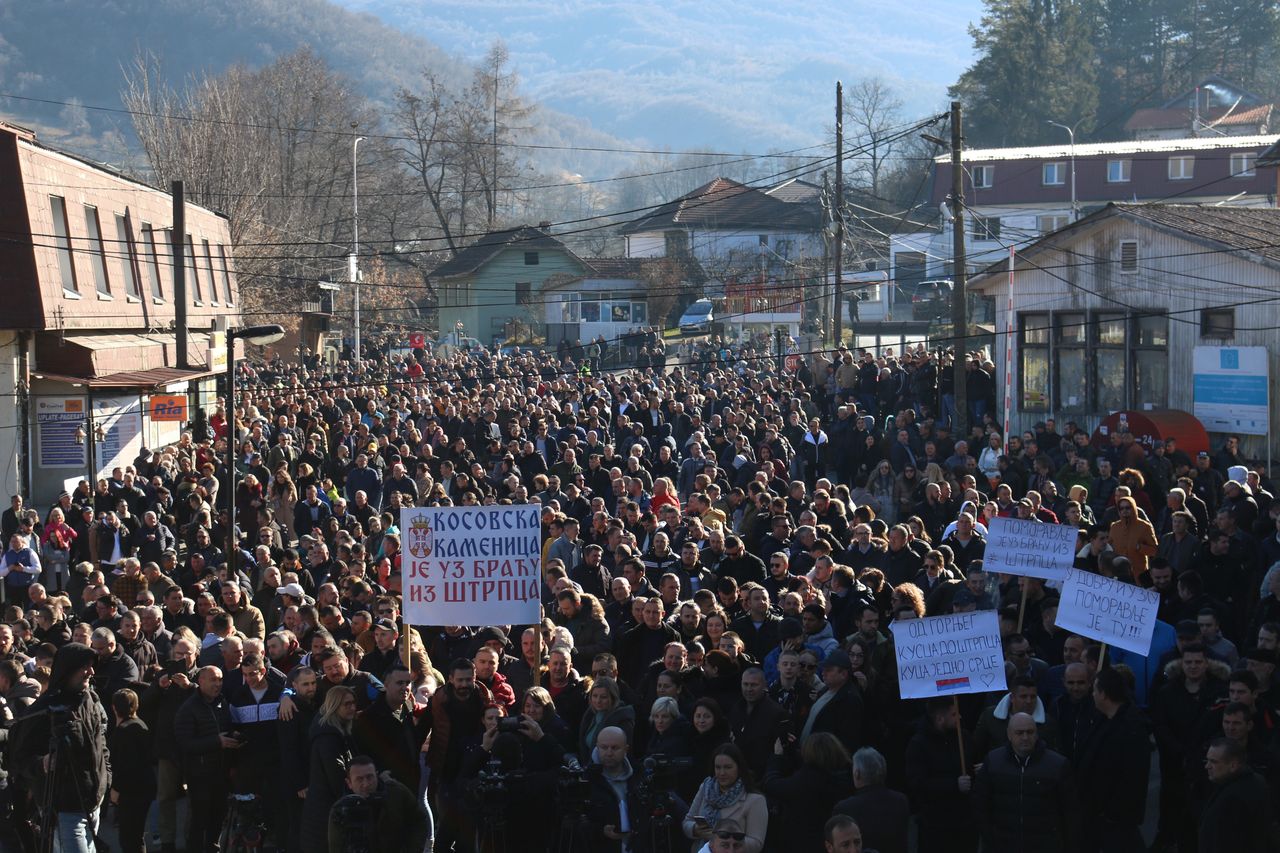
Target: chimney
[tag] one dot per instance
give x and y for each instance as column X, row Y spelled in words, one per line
column 544, row 224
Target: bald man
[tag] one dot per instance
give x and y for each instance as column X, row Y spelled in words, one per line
column 1026, row 772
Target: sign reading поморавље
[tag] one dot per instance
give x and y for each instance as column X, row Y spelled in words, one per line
column 1030, row 548
column 471, row 565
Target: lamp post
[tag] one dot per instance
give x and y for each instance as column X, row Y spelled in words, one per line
column 259, row 336
column 1071, row 132
column 355, row 242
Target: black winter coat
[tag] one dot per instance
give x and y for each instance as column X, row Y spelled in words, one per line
column 1237, row 816
column 198, row 727
column 1026, row 805
column 804, row 798
column 331, row 752
column 78, row 782
column 932, row 774
column 159, row 708
column 1113, row 768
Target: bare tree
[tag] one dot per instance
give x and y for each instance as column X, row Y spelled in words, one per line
column 871, row 111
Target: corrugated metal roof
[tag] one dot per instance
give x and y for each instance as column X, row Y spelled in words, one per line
column 1142, row 146
column 154, row 378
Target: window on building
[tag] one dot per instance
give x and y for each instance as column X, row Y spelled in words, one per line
column 224, row 271
column 1118, row 171
column 189, row 264
column 1218, row 323
column 909, row 271
column 640, row 313
column 984, row 177
column 1053, row 174
column 95, row 250
column 524, row 292
column 676, row 243
column 152, row 261
column 128, row 254
column 1049, row 222
column 62, row 240
column 1070, row 357
column 986, row 228
column 206, row 258
column 1128, row 256
column 1182, row 168
column 531, row 259
column 1109, row 362
column 591, row 312
column 764, row 240
column 1150, row 362
column 1033, row 363
column 1243, row 164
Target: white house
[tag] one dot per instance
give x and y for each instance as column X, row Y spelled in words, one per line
column 1107, row 313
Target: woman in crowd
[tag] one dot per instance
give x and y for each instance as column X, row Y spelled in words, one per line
column 728, row 794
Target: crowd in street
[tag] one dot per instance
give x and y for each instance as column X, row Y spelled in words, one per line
column 725, row 545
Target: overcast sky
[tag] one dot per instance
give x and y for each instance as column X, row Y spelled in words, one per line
column 739, row 76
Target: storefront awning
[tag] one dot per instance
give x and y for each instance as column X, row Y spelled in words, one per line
column 156, row 377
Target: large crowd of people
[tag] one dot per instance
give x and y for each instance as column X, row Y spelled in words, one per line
column 725, row 545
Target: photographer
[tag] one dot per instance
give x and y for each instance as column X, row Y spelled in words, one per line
column 510, row 779
column 58, row 749
column 378, row 814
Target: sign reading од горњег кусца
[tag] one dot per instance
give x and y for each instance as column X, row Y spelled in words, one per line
column 471, row 565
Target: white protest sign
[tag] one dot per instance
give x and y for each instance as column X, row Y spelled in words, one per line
column 471, row 565
column 1112, row 611
column 941, row 655
column 1029, row 548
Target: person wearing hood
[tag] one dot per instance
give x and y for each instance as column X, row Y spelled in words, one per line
column 1133, row 537
column 1022, row 698
column 80, row 773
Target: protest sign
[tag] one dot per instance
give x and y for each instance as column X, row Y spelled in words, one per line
column 471, row 565
column 1109, row 610
column 1029, row 548
column 942, row 655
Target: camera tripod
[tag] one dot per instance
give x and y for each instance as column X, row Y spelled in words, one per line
column 575, row 834
column 49, row 829
column 243, row 829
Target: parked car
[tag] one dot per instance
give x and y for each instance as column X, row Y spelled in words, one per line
column 697, row 318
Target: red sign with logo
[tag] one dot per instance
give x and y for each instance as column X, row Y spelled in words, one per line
column 168, row 408
column 417, row 340
column 792, row 362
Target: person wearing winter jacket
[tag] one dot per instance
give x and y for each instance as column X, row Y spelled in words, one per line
column 203, row 729
column 1024, row 796
column 19, row 567
column 331, row 752
column 939, row 784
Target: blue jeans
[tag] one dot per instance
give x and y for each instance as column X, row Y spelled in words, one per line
column 949, row 409
column 75, row 831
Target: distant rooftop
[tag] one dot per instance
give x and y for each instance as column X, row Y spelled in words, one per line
column 1098, row 149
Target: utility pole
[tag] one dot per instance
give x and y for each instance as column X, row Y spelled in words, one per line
column 839, row 215
column 826, row 256
column 354, row 266
column 959, row 318
column 179, row 242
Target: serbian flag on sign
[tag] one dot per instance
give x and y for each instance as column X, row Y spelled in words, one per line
column 945, row 684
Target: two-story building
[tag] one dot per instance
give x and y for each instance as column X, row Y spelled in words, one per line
column 88, row 331
column 1014, row 196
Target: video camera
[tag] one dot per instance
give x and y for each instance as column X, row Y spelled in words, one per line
column 658, row 778
column 356, row 817
column 573, row 789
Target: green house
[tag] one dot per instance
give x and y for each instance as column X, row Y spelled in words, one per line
column 496, row 284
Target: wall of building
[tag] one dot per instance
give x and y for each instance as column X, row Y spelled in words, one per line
column 1176, row 276
column 486, row 301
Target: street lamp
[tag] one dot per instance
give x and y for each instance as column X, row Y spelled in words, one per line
column 1071, row 132
column 258, row 336
column 355, row 241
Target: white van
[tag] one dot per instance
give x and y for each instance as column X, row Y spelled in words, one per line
column 697, row 318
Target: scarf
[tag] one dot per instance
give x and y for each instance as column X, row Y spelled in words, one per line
column 713, row 799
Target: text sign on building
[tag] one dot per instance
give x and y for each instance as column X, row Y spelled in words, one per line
column 57, row 421
column 168, row 407
column 942, row 655
column 471, row 565
column 1231, row 389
